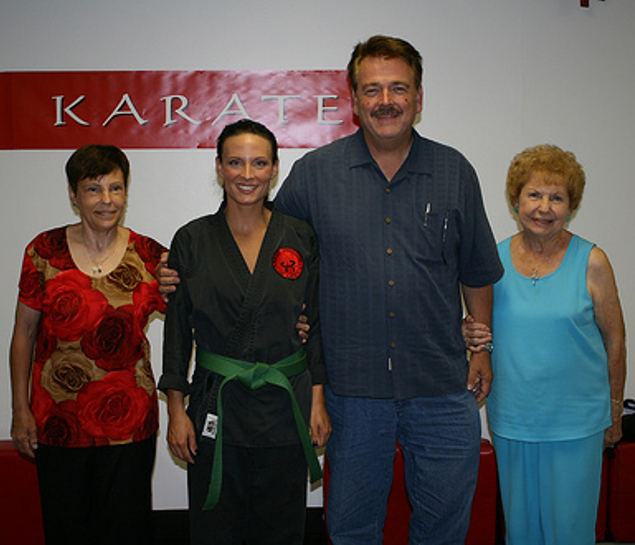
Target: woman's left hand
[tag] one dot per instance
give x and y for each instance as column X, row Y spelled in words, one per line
column 167, row 278
column 475, row 334
column 613, row 434
column 320, row 421
column 303, row 326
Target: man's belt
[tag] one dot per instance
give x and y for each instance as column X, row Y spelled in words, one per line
column 255, row 376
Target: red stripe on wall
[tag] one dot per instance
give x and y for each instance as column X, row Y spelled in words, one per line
column 161, row 109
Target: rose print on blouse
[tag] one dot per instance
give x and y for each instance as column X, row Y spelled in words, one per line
column 67, row 372
column 113, row 407
column 71, row 307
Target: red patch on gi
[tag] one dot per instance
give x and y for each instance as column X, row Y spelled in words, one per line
column 288, row 263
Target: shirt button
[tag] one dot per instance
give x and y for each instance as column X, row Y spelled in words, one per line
column 387, row 190
column 389, row 251
column 388, row 220
column 391, row 283
column 393, row 345
column 391, row 314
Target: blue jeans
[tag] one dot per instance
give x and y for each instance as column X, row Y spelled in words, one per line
column 440, row 438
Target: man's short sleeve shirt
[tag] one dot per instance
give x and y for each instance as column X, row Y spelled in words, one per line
column 393, row 256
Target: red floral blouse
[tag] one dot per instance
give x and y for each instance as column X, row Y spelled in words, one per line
column 92, row 382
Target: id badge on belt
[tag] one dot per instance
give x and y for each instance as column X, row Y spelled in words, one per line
column 211, row 426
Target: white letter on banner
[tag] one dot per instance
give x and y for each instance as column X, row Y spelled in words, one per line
column 322, row 108
column 227, row 111
column 125, row 100
column 169, row 119
column 282, row 117
column 60, row 111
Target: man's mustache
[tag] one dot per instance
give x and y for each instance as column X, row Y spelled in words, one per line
column 388, row 109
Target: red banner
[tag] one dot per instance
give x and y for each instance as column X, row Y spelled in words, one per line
column 64, row 110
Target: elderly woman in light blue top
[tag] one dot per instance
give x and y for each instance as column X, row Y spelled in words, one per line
column 559, row 359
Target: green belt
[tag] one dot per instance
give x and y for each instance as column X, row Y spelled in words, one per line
column 255, row 375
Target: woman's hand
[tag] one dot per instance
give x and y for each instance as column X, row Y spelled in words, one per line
column 181, row 436
column 303, row 326
column 613, row 434
column 320, row 421
column 475, row 335
column 167, row 278
column 24, row 432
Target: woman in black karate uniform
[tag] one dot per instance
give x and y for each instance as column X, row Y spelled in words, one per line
column 256, row 398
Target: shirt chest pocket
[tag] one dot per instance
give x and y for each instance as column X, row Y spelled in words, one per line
column 432, row 240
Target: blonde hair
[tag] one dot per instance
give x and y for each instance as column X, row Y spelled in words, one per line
column 558, row 165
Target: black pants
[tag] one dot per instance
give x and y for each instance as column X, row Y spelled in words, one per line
column 97, row 495
column 262, row 500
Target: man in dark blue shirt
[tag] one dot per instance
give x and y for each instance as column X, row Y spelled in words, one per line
column 403, row 237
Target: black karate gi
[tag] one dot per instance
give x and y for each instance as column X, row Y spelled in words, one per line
column 223, row 308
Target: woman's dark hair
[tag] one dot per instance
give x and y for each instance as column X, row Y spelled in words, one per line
column 246, row 126
column 95, row 160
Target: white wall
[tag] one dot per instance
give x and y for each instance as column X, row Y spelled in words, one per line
column 500, row 75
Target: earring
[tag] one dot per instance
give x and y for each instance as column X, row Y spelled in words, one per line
column 568, row 218
column 515, row 209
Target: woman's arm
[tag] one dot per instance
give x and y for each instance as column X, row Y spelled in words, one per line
column 23, row 428
column 320, row 423
column 610, row 321
column 177, row 351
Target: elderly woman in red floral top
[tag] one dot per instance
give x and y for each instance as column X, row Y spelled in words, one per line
column 84, row 398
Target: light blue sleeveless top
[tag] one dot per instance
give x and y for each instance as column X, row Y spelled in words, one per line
column 550, row 365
